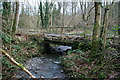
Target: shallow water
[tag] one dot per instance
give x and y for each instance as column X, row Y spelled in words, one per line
column 47, row 66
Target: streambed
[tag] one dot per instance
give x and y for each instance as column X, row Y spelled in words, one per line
column 48, row 66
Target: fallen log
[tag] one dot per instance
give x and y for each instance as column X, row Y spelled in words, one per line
column 16, row 63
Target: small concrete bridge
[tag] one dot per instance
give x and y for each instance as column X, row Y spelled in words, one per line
column 58, row 39
column 66, row 40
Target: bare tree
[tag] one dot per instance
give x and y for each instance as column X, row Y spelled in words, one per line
column 96, row 27
column 6, row 13
column 106, row 21
column 16, row 20
column 41, row 14
column 63, row 22
column 119, row 24
column 85, row 14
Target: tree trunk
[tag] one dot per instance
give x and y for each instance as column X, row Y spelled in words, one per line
column 75, row 6
column 5, row 14
column 96, row 27
column 72, row 8
column 16, row 20
column 51, row 22
column 41, row 14
column 102, row 28
column 63, row 18
column 106, row 19
column 46, row 14
column 105, row 28
column 63, row 12
column 119, row 26
column 59, row 13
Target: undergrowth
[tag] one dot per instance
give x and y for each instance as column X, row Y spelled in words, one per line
column 78, row 64
column 20, row 50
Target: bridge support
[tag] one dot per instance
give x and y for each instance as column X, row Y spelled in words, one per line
column 46, row 47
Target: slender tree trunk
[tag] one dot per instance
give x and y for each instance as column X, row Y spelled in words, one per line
column 119, row 25
column 63, row 12
column 106, row 17
column 105, row 28
column 46, row 14
column 63, row 18
column 75, row 6
column 41, row 14
column 38, row 19
column 72, row 8
column 16, row 20
column 50, row 29
column 59, row 11
column 96, row 27
column 59, row 6
column 102, row 28
column 5, row 14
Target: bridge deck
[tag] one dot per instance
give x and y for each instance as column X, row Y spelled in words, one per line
column 62, row 37
column 66, row 40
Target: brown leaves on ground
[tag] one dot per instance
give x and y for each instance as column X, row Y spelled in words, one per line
column 21, row 37
column 78, row 67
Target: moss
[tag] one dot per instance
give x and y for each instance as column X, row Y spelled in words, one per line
column 21, row 66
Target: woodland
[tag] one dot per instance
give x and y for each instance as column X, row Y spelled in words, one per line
column 59, row 40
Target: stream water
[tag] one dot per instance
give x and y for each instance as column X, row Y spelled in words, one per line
column 47, row 66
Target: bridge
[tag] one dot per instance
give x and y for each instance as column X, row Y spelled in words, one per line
column 58, row 39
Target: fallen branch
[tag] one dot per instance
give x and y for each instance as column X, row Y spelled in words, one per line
column 107, row 62
column 19, row 65
column 42, row 77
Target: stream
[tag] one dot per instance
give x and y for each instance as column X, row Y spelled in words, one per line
column 48, row 66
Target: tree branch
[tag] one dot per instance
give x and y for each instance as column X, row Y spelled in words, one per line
column 89, row 13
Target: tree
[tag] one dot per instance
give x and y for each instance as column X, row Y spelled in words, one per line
column 85, row 17
column 106, row 18
column 16, row 20
column 59, row 13
column 72, row 8
column 95, row 41
column 41, row 14
column 6, row 13
column 51, row 15
column 63, row 13
column 46, row 14
column 119, row 24
column 63, row 18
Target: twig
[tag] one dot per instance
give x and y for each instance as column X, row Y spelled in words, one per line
column 108, row 62
column 89, row 13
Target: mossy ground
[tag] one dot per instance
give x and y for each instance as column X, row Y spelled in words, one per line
column 21, row 49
